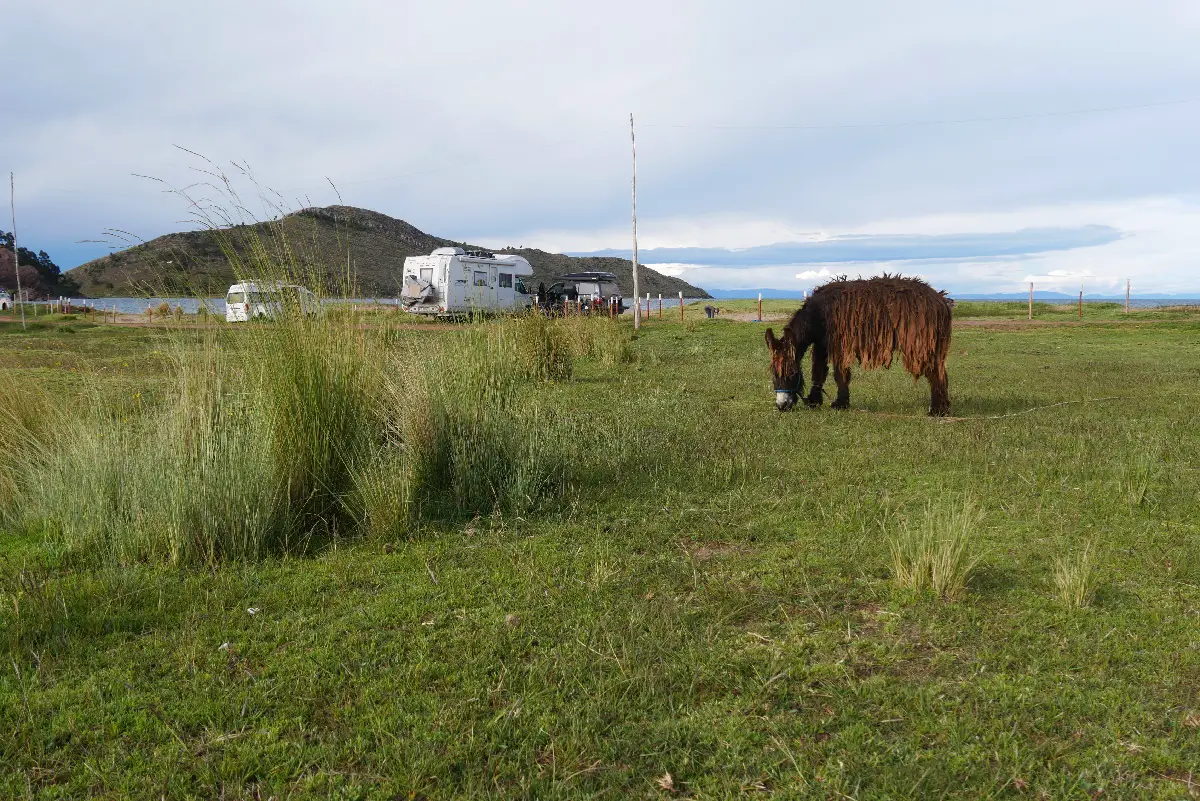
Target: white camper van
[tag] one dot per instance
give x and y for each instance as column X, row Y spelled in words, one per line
column 267, row 299
column 454, row 281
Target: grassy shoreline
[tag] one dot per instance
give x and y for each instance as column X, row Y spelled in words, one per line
column 712, row 597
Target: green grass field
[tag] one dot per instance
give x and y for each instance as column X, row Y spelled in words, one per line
column 712, row 597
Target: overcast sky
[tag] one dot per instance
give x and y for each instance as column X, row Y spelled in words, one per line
column 773, row 140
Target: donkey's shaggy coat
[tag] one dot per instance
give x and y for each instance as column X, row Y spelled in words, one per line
column 864, row 321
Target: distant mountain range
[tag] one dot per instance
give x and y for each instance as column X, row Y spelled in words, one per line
column 1037, row 295
column 322, row 242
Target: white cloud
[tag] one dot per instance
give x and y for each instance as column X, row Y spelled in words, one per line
column 814, row 275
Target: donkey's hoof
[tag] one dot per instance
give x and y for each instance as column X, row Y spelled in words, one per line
column 841, row 406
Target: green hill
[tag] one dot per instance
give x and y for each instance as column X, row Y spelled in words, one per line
column 322, row 241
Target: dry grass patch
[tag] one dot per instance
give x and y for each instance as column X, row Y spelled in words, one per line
column 939, row 553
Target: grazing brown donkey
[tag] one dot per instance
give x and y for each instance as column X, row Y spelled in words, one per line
column 866, row 320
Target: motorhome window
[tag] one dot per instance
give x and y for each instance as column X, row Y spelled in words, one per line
column 427, row 274
column 236, row 297
column 521, row 286
column 481, row 278
column 608, row 290
column 588, row 288
column 506, row 280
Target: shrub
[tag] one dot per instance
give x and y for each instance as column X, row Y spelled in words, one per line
column 939, row 553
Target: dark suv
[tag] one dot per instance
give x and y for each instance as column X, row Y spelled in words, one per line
column 593, row 291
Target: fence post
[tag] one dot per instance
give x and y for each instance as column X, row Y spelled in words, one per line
column 660, row 305
column 681, row 305
column 1127, row 296
column 1080, row 303
column 1030, row 300
column 760, row 307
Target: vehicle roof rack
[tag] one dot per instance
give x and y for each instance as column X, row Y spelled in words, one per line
column 481, row 254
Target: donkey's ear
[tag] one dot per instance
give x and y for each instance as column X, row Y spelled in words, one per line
column 771, row 340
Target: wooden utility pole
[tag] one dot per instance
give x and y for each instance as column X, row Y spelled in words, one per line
column 637, row 296
column 12, row 204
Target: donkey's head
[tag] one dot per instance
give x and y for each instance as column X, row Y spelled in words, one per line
column 785, row 369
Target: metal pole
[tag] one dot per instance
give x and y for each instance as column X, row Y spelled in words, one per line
column 12, row 204
column 637, row 309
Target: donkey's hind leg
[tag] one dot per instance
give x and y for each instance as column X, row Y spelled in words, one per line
column 841, row 377
column 820, row 369
column 939, row 391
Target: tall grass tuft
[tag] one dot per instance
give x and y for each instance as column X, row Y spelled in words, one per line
column 255, row 452
column 939, row 553
column 1074, row 577
column 25, row 428
column 474, row 447
column 596, row 337
column 543, row 350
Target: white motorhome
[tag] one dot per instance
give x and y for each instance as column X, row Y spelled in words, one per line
column 454, row 281
column 6, row 300
column 268, row 299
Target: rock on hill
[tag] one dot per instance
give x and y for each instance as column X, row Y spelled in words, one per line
column 322, row 243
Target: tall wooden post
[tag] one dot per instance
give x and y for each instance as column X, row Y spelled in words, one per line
column 681, row 305
column 1081, row 301
column 760, row 307
column 1127, row 296
column 1030, row 300
column 637, row 308
column 12, row 200
column 660, row 305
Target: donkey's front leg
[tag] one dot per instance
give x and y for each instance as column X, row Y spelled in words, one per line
column 820, row 369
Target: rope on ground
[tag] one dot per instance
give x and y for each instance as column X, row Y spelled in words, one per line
column 1027, row 411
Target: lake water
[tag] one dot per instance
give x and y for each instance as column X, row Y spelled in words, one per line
column 217, row 305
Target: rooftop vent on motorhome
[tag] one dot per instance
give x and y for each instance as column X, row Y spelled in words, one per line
column 448, row 252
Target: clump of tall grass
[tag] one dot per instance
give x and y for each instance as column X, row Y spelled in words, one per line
column 25, row 426
column 473, row 446
column 1135, row 479
column 1074, row 577
column 543, row 350
column 254, row 452
column 599, row 338
column 939, row 553
column 280, row 437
